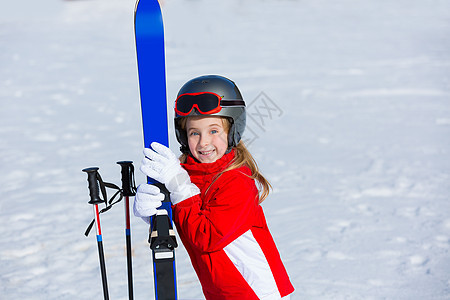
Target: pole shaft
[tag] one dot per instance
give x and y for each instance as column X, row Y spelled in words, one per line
column 128, row 241
column 101, row 254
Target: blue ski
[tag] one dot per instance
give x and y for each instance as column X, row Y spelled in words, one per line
column 149, row 33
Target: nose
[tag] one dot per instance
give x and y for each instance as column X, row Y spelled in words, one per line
column 204, row 140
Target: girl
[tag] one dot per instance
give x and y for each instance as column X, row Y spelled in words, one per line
column 216, row 202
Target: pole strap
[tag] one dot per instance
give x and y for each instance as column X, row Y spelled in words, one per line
column 109, row 203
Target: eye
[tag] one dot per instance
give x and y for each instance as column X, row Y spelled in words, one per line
column 193, row 133
column 214, row 131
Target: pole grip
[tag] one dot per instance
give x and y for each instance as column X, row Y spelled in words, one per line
column 127, row 177
column 94, row 189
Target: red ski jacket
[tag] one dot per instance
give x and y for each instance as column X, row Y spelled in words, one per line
column 226, row 236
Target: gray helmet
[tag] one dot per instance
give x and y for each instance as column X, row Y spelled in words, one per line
column 231, row 105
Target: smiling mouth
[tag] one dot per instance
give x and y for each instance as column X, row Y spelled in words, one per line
column 206, row 153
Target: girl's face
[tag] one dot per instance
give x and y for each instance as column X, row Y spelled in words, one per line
column 207, row 138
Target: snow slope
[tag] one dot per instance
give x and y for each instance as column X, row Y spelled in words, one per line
column 352, row 129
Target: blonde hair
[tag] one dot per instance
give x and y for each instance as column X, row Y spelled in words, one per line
column 242, row 158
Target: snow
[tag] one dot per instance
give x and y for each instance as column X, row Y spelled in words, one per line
column 355, row 139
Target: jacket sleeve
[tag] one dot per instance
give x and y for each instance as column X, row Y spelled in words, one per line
column 227, row 212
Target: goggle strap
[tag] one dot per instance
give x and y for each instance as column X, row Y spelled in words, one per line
column 232, row 103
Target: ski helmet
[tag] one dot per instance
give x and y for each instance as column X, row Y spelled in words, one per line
column 211, row 95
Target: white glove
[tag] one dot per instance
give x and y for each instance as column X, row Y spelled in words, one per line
column 148, row 199
column 162, row 165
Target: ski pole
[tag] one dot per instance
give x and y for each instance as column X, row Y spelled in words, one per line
column 95, row 201
column 128, row 189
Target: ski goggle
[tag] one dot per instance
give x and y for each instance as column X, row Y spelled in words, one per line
column 205, row 103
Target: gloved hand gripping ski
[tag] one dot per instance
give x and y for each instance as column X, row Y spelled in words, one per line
column 161, row 164
column 148, row 199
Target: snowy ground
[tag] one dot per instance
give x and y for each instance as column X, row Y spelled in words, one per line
column 357, row 146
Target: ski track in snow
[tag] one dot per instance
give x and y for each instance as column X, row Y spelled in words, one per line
column 357, row 147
